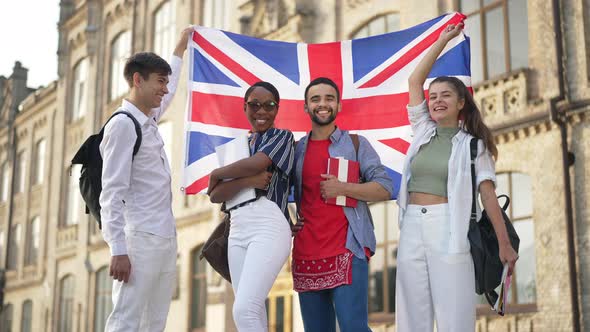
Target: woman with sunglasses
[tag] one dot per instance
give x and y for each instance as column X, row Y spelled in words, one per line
column 260, row 234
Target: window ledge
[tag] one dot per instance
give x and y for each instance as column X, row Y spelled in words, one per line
column 512, row 309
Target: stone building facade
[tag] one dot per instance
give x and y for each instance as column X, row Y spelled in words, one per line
column 531, row 72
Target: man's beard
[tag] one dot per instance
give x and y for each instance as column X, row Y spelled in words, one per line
column 322, row 122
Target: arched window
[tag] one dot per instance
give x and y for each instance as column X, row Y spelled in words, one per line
column 39, row 161
column 66, row 304
column 120, row 51
column 6, row 318
column 33, row 233
column 80, row 90
column 198, row 290
column 103, row 304
column 15, row 245
column 27, row 316
column 214, row 13
column 164, row 34
column 74, row 202
column 377, row 26
column 499, row 36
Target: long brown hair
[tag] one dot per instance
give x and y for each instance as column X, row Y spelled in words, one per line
column 470, row 114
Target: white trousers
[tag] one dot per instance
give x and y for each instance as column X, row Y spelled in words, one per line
column 142, row 303
column 259, row 244
column 432, row 284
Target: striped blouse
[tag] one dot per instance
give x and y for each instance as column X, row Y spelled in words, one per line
column 277, row 144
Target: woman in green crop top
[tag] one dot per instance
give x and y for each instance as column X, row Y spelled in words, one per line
column 435, row 276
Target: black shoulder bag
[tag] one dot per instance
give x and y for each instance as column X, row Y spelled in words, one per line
column 484, row 243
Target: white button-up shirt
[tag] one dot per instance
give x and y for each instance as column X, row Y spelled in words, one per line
column 136, row 193
column 459, row 182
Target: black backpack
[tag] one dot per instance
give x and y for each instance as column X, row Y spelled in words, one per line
column 91, row 174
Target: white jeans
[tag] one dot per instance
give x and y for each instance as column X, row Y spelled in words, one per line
column 259, row 244
column 432, row 284
column 142, row 303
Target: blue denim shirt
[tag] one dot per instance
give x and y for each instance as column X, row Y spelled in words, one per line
column 360, row 224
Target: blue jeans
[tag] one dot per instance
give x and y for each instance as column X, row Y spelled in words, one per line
column 347, row 303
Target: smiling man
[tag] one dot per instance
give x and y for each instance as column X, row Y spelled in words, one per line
column 333, row 244
column 136, row 198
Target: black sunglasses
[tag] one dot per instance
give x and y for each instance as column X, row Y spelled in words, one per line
column 268, row 106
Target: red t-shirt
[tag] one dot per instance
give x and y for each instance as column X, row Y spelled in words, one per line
column 324, row 232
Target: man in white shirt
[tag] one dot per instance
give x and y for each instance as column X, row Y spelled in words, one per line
column 136, row 199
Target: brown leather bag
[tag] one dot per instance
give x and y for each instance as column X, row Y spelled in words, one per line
column 215, row 249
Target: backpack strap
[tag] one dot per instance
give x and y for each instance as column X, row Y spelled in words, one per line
column 137, row 129
column 473, row 153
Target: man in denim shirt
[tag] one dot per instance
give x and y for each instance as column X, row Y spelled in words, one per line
column 333, row 244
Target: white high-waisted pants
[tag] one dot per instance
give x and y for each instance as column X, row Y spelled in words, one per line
column 259, row 244
column 432, row 284
column 142, row 303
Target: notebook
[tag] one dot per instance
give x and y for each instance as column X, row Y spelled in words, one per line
column 231, row 152
column 346, row 171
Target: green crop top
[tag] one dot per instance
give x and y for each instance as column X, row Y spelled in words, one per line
column 430, row 167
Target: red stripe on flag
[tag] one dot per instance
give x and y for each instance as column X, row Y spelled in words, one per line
column 397, row 144
column 376, row 112
column 411, row 54
column 325, row 60
column 226, row 61
column 197, row 186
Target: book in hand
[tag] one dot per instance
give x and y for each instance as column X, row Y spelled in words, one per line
column 346, row 171
column 231, row 152
column 500, row 305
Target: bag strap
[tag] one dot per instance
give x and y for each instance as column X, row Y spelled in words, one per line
column 137, row 129
column 473, row 152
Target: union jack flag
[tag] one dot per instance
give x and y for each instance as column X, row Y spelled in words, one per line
column 372, row 74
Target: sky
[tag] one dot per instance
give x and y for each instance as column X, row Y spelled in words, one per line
column 28, row 33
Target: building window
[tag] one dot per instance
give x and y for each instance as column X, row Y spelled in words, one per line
column 165, row 129
column 120, row 51
column 6, row 318
column 279, row 313
column 66, row 304
column 214, row 13
column 21, row 171
column 27, row 316
column 518, row 187
column 14, row 247
column 379, row 25
column 164, row 29
column 80, row 96
column 198, row 290
column 39, row 164
column 33, row 232
column 2, row 241
column 4, row 182
column 499, row 36
column 383, row 267
column 103, row 305
column 74, row 209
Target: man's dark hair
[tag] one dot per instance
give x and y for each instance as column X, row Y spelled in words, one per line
column 268, row 86
column 145, row 63
column 323, row 80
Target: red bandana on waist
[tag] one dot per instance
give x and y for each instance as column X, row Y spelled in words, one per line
column 324, row 273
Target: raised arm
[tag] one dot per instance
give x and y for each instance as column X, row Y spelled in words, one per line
column 176, row 67
column 419, row 75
